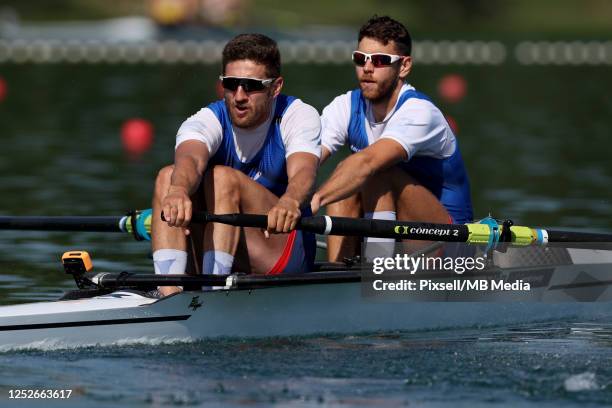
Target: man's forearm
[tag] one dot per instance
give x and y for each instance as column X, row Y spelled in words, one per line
column 186, row 175
column 346, row 179
column 301, row 186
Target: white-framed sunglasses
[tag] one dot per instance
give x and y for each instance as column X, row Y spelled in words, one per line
column 378, row 59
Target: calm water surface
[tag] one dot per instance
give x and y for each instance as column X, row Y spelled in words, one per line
column 536, row 141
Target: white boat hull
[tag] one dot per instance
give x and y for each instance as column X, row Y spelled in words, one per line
column 127, row 318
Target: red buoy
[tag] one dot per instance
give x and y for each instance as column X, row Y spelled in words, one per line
column 3, row 89
column 137, row 136
column 452, row 88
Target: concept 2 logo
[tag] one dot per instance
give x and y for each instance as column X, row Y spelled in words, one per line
column 438, row 232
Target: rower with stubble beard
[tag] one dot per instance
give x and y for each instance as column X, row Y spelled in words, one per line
column 406, row 163
column 256, row 151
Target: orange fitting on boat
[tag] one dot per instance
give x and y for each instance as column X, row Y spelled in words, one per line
column 78, row 261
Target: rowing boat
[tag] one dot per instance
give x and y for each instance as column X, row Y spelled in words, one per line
column 323, row 302
column 119, row 309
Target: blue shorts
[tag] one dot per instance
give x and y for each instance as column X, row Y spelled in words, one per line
column 298, row 255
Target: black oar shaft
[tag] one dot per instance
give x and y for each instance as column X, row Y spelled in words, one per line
column 351, row 226
column 318, row 224
column 44, row 223
column 386, row 228
column 575, row 236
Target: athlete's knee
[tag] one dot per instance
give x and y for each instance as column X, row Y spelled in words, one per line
column 397, row 177
column 379, row 184
column 405, row 184
column 223, row 180
column 349, row 207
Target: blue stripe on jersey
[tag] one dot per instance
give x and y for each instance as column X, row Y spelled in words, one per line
column 445, row 178
column 268, row 167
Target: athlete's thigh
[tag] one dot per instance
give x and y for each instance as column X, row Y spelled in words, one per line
column 414, row 202
column 256, row 199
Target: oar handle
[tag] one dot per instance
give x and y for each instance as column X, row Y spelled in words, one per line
column 238, row 220
column 311, row 224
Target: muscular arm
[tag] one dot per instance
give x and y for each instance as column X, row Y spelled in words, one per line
column 302, row 173
column 190, row 160
column 353, row 172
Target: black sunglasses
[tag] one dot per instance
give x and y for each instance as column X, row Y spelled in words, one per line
column 248, row 84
